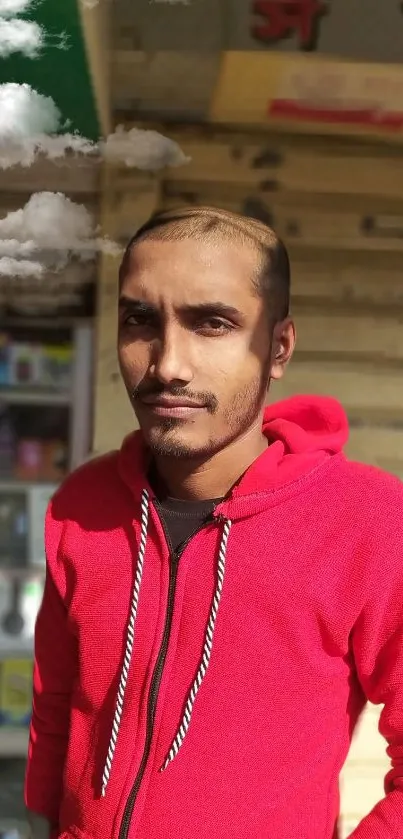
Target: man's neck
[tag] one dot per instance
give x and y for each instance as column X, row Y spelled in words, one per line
column 215, row 476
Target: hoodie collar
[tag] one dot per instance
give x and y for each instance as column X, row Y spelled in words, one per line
column 303, row 433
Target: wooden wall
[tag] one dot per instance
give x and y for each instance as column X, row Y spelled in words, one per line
column 340, row 209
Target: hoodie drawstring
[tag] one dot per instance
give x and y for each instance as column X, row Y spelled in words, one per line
column 208, row 646
column 129, row 643
column 207, row 649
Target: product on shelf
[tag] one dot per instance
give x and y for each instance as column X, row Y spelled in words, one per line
column 12, row 829
column 32, row 364
column 7, row 442
column 55, row 460
column 38, row 500
column 56, row 368
column 4, row 358
column 41, row 460
column 29, row 460
column 15, row 691
column 20, row 600
column 25, row 364
column 13, row 622
column 13, row 529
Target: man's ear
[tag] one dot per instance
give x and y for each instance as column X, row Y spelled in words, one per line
column 284, row 338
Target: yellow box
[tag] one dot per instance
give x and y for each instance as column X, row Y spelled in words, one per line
column 15, row 691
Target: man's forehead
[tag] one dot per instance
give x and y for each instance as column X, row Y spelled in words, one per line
column 186, row 276
column 201, row 254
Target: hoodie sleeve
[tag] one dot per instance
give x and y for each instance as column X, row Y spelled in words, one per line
column 55, row 669
column 378, row 652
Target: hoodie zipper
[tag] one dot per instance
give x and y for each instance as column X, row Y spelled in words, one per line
column 157, row 674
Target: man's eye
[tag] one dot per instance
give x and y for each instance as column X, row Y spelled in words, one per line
column 137, row 320
column 215, row 325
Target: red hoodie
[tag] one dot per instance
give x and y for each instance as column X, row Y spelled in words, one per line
column 216, row 697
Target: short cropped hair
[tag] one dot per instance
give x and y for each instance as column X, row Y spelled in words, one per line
column 272, row 279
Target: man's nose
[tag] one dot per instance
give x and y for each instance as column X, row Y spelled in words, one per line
column 172, row 358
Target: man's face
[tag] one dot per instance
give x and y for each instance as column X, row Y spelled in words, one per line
column 194, row 344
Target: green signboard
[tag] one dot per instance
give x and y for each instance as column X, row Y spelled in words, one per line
column 63, row 73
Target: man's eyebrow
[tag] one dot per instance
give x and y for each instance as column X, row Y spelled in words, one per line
column 135, row 305
column 216, row 307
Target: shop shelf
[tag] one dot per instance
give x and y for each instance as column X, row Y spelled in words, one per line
column 13, row 742
column 34, row 396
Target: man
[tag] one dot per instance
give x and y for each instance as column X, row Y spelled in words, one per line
column 225, row 592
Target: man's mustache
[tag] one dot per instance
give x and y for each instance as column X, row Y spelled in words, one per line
column 202, row 397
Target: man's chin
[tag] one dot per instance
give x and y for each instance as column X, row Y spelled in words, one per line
column 173, row 443
column 172, row 449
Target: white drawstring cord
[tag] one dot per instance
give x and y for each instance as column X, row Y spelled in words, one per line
column 208, row 646
column 129, row 643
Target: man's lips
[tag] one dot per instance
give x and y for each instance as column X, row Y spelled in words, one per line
column 171, row 406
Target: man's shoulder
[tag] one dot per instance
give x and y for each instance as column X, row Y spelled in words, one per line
column 372, row 478
column 95, row 485
column 90, row 506
column 375, row 492
column 93, row 470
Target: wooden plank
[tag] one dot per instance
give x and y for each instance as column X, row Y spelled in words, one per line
column 316, row 226
column 382, row 447
column 78, row 176
column 170, row 82
column 302, row 227
column 375, row 337
column 351, row 285
column 214, row 192
column 372, row 402
column 130, row 198
column 296, row 169
column 344, row 174
column 358, row 389
column 284, row 139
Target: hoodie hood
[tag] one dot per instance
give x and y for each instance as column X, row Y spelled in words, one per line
column 303, row 433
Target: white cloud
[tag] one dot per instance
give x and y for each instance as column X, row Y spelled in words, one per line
column 12, row 247
column 142, row 149
column 24, row 112
column 30, row 125
column 49, row 220
column 24, row 151
column 10, row 8
column 51, row 229
column 24, row 36
column 20, row 268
